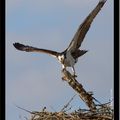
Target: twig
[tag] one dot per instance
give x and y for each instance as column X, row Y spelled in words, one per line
column 65, row 106
column 52, row 108
column 26, row 118
column 34, row 112
column 104, row 104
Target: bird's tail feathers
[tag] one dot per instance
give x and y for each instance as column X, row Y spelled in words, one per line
column 79, row 53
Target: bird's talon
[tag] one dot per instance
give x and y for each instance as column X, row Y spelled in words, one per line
column 74, row 76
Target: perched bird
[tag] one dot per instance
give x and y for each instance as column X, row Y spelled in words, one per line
column 69, row 56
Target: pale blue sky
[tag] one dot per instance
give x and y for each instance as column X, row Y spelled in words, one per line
column 34, row 80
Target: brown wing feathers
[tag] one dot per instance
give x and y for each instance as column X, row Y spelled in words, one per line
column 84, row 27
column 77, row 40
column 27, row 48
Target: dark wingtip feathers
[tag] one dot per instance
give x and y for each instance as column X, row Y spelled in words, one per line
column 18, row 46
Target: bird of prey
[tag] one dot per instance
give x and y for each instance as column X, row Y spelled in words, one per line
column 69, row 56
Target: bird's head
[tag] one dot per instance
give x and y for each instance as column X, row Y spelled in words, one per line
column 61, row 58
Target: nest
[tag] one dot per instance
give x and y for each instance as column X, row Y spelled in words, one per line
column 76, row 115
column 95, row 112
column 102, row 112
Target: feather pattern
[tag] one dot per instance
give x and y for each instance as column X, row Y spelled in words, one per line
column 69, row 57
column 84, row 27
column 34, row 49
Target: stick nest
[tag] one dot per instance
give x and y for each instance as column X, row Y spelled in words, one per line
column 102, row 113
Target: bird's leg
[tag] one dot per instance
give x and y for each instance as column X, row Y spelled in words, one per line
column 74, row 75
column 63, row 68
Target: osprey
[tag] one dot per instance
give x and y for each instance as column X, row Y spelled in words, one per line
column 70, row 56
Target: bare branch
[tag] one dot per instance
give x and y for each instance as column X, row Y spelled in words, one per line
column 65, row 106
column 85, row 96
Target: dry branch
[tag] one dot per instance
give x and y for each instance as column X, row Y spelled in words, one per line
column 85, row 96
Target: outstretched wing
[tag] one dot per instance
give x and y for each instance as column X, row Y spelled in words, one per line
column 33, row 49
column 84, row 27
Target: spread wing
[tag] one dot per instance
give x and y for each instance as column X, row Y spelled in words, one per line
column 33, row 49
column 84, row 27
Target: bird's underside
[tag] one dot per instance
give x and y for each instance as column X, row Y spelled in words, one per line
column 69, row 57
